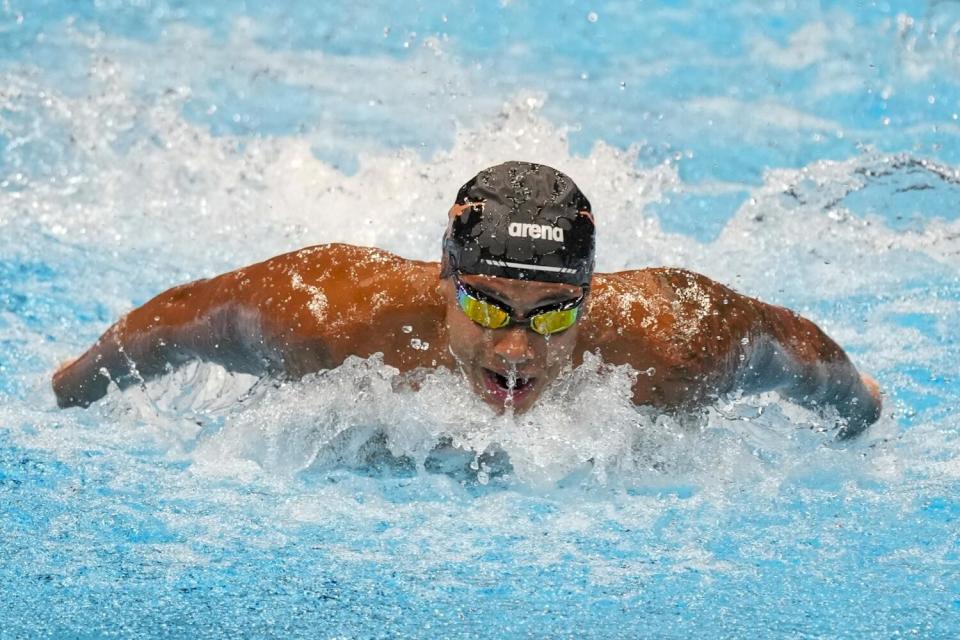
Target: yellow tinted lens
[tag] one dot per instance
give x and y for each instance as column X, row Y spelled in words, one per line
column 554, row 321
column 483, row 313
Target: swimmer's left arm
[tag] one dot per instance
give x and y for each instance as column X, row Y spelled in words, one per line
column 793, row 356
column 693, row 339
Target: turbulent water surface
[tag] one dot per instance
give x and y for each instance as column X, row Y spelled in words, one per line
column 807, row 153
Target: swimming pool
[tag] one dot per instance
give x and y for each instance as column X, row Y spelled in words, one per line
column 807, row 153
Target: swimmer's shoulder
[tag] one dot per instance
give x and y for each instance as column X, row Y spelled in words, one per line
column 641, row 296
column 660, row 282
column 668, row 294
column 328, row 262
column 333, row 283
column 343, row 271
column 666, row 317
column 319, row 304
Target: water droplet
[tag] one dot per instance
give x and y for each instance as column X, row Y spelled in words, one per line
column 623, row 85
column 406, row 328
column 592, row 16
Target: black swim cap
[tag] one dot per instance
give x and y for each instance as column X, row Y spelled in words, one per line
column 527, row 222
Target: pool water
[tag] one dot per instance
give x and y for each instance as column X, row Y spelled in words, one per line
column 807, row 153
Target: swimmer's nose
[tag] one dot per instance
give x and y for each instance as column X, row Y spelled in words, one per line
column 513, row 345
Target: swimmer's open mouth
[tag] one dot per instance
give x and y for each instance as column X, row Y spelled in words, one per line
column 501, row 384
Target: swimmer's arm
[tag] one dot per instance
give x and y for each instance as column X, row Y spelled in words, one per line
column 793, row 356
column 203, row 320
column 287, row 316
column 693, row 339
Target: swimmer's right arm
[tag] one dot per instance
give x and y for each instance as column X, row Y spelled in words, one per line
column 199, row 320
column 287, row 316
column 246, row 320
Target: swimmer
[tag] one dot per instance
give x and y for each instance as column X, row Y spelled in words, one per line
column 512, row 305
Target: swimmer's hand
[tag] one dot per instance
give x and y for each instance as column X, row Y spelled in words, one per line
column 874, row 388
column 865, row 408
column 60, row 383
column 76, row 385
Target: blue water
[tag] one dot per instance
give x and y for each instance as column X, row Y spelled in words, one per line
column 803, row 152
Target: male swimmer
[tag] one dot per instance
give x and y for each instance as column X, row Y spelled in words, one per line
column 513, row 304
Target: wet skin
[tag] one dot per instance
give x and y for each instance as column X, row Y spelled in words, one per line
column 309, row 310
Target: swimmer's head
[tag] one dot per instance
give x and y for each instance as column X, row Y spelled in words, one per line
column 521, row 221
column 517, row 263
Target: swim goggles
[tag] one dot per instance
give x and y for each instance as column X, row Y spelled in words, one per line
column 493, row 314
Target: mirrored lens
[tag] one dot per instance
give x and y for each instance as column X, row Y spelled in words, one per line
column 554, row 321
column 483, row 313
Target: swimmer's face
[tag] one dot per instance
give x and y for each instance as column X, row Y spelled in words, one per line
column 488, row 356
